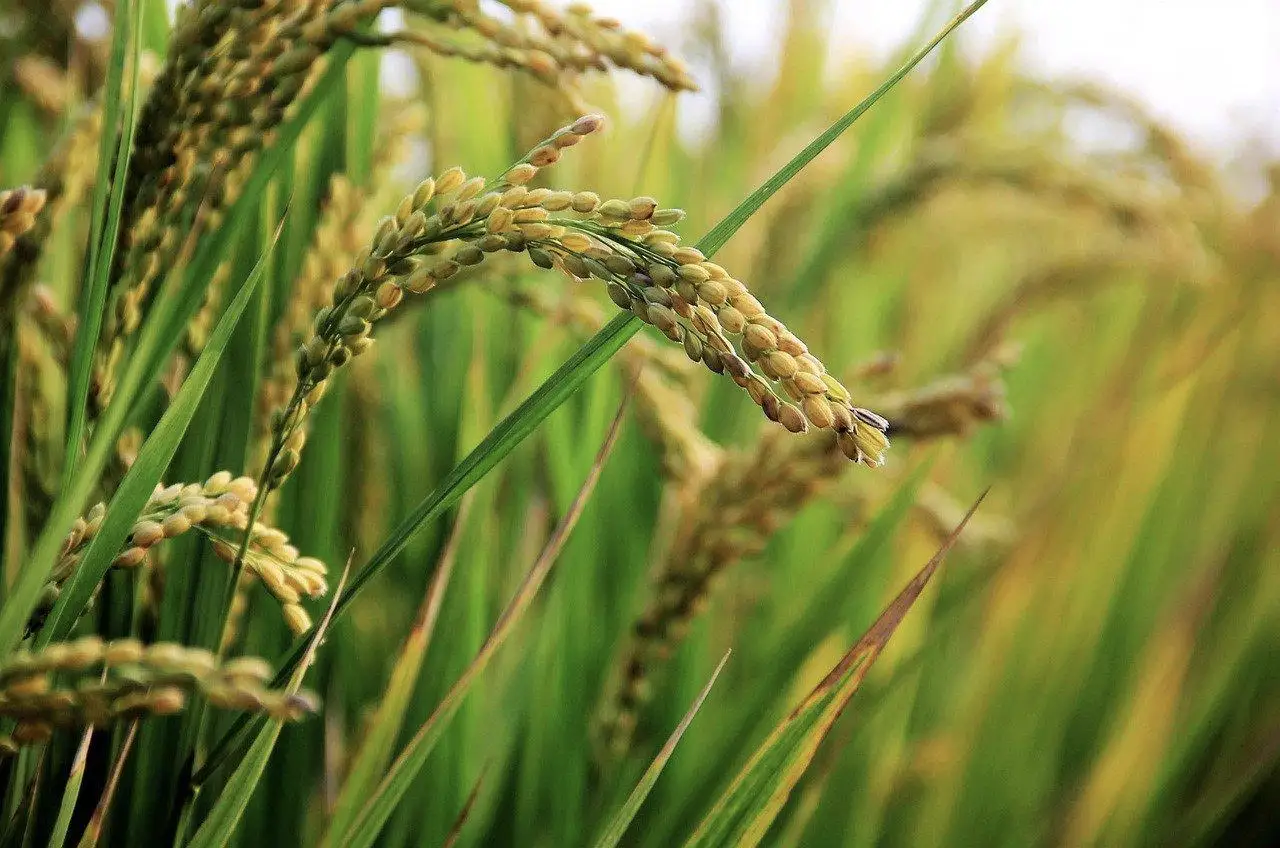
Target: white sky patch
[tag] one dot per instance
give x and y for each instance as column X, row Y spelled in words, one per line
column 1212, row 70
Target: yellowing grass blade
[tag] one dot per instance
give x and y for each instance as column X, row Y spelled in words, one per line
column 93, row 832
column 743, row 814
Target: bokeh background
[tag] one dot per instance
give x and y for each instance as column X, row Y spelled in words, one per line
column 1051, row 257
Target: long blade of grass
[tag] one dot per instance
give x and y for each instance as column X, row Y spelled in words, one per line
column 108, row 203
column 566, row 380
column 376, row 749
column 813, row 621
column 71, row 793
column 745, row 811
column 220, row 825
column 144, row 474
column 622, row 819
column 93, row 831
column 364, row 831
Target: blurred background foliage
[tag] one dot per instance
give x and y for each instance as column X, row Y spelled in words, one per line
column 1086, row 328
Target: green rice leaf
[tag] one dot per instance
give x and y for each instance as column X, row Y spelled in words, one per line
column 621, row 820
column 373, row 816
column 119, row 98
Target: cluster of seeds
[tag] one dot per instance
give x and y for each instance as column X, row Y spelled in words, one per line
column 550, row 43
column 62, row 179
column 201, row 324
column 18, row 210
column 405, row 256
column 697, row 303
column 232, row 72
column 451, row 222
column 214, row 508
column 127, row 679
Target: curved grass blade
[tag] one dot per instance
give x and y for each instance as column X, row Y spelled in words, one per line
column 220, row 825
column 617, row 827
column 369, row 823
column 143, row 475
column 568, row 378
column 108, row 203
column 745, row 811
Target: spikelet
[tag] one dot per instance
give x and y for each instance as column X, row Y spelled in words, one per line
column 92, row 682
column 408, row 254
column 42, row 82
column 18, row 210
column 341, row 230
column 62, row 181
column 217, row 508
column 746, row 498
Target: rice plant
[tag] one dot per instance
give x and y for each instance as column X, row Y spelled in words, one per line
column 382, row 468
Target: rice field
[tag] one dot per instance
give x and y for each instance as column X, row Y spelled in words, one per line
column 462, row 449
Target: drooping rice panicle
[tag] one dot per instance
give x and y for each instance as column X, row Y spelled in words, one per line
column 539, row 39
column 92, row 682
column 219, row 510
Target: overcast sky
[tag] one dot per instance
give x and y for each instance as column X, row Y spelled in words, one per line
column 1211, row 68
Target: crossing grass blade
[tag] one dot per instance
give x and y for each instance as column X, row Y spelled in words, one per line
column 464, row 815
column 93, row 830
column 745, row 811
column 377, row 748
column 622, row 819
column 373, row 816
column 219, row 826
